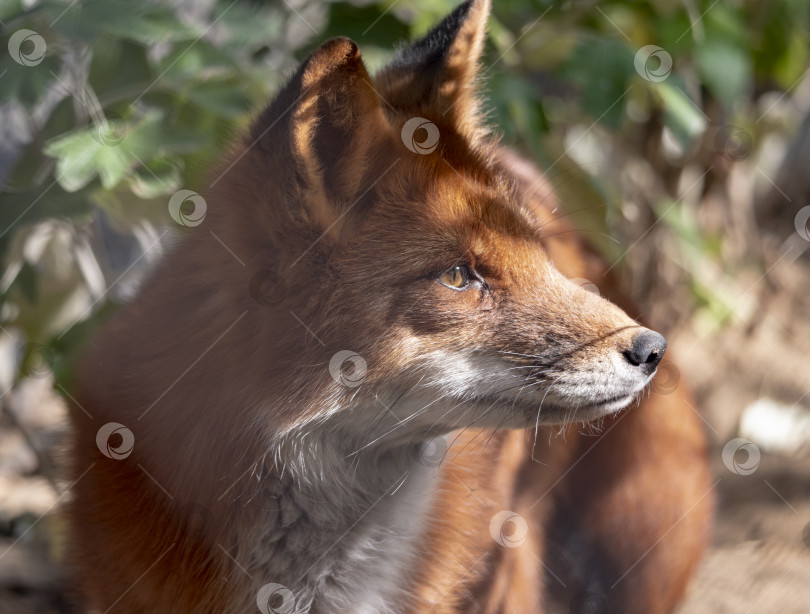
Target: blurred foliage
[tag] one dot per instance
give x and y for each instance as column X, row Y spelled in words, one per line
column 132, row 101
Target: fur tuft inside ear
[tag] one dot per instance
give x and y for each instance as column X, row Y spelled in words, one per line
column 329, row 118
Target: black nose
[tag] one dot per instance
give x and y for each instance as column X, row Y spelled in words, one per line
column 647, row 351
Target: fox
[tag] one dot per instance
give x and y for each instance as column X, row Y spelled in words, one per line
column 359, row 384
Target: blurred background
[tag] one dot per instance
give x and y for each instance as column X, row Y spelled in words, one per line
column 677, row 134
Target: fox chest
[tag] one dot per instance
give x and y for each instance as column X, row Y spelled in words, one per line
column 359, row 565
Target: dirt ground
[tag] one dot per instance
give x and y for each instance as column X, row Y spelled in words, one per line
column 760, row 558
column 759, row 562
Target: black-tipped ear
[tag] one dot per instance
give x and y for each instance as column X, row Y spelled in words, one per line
column 439, row 71
column 327, row 119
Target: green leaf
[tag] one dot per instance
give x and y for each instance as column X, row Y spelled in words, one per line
column 107, row 151
column 681, row 115
column 543, row 47
column 9, row 9
column 159, row 176
column 789, row 67
column 147, row 29
column 602, row 69
column 517, row 107
column 725, row 70
column 370, row 24
column 106, row 76
column 223, row 98
column 26, row 84
column 183, row 64
column 248, row 27
column 142, row 22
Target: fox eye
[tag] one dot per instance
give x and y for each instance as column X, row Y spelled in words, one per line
column 457, row 278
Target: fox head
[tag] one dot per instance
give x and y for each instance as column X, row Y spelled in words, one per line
column 399, row 275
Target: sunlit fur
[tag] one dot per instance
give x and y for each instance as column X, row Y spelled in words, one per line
column 255, row 464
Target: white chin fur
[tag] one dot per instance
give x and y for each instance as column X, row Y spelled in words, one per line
column 613, row 406
column 465, row 387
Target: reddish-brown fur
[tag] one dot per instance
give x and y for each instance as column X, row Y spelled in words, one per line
column 347, row 244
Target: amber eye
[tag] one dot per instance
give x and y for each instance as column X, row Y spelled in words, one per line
column 457, row 278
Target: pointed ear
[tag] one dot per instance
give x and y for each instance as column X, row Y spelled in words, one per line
column 329, row 118
column 439, row 71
